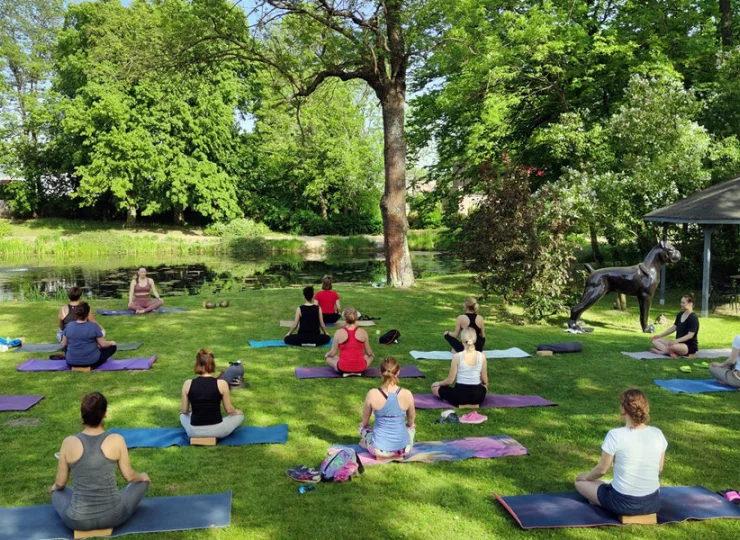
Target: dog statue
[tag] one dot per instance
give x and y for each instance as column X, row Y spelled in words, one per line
column 640, row 280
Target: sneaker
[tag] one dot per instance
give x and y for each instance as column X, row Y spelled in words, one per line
column 304, row 474
column 473, row 418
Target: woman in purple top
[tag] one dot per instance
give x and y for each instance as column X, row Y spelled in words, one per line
column 84, row 342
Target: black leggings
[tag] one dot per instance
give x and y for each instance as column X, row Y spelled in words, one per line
column 307, row 339
column 330, row 318
column 458, row 346
column 463, row 394
column 105, row 353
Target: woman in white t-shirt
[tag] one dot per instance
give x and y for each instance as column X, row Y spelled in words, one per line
column 728, row 372
column 637, row 452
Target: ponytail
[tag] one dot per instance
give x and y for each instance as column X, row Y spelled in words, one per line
column 390, row 369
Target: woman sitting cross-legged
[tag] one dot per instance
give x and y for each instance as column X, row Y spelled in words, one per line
column 310, row 324
column 328, row 301
column 728, row 372
column 138, row 293
column 351, row 352
column 92, row 456
column 84, row 342
column 469, row 319
column 686, row 327
column 205, row 394
column 637, row 452
column 468, row 371
column 393, row 434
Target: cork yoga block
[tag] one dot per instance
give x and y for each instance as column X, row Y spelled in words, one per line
column 203, row 441
column 92, row 533
column 82, row 369
column 544, row 353
column 647, row 519
column 468, row 406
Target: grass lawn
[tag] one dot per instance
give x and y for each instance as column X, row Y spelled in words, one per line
column 418, row 501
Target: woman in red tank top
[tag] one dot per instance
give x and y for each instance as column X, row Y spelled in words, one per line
column 351, row 352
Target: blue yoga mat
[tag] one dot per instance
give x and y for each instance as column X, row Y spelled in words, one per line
column 255, row 344
column 164, row 437
column 156, row 514
column 693, row 386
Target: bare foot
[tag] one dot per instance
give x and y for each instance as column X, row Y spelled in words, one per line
column 656, row 351
column 139, row 311
column 673, row 355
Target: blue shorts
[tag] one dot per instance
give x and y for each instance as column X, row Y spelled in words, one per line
column 627, row 505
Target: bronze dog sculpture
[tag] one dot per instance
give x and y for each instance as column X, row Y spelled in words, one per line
column 640, row 280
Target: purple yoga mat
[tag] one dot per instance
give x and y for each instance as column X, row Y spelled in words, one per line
column 33, row 364
column 492, row 401
column 327, row 372
column 18, row 403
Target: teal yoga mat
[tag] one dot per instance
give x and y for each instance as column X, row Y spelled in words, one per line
column 164, row 437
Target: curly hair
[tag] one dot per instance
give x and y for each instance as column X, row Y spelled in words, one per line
column 636, row 406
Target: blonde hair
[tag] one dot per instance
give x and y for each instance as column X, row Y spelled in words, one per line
column 326, row 283
column 471, row 304
column 468, row 336
column 390, row 369
column 636, row 406
column 349, row 315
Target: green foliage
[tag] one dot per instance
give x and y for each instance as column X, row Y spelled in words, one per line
column 5, row 228
column 237, row 227
column 428, row 240
column 246, row 247
column 426, row 211
column 351, row 244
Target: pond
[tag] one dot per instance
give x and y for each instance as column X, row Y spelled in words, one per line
column 23, row 280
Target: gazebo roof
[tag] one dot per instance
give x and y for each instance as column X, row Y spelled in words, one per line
column 717, row 205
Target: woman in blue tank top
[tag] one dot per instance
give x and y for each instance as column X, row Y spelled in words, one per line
column 393, row 434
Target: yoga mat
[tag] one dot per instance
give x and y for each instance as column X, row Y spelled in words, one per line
column 693, row 386
column 703, row 353
column 561, row 347
column 34, row 364
column 255, row 344
column 164, row 437
column 327, row 372
column 18, row 403
column 513, row 352
column 452, row 450
column 132, row 312
column 53, row 347
column 338, row 324
column 492, row 401
column 154, row 514
column 553, row 510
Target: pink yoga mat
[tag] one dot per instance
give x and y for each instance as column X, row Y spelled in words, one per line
column 327, row 372
column 34, row 364
column 18, row 403
column 492, row 401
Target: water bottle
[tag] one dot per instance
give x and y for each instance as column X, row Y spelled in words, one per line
column 304, row 489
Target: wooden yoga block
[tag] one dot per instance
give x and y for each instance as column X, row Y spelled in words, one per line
column 468, row 406
column 203, row 441
column 94, row 532
column 84, row 370
column 691, row 356
column 646, row 519
column 544, row 353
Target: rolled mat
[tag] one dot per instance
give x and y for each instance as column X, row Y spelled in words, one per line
column 34, row 364
column 693, row 386
column 492, row 401
column 164, row 437
column 451, row 450
column 256, row 344
column 513, row 352
column 553, row 510
column 53, row 347
column 132, row 312
column 154, row 514
column 18, row 403
column 561, row 347
column 327, row 372
column 338, row 324
column 704, row 353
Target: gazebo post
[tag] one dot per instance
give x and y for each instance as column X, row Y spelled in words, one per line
column 706, row 271
column 662, row 270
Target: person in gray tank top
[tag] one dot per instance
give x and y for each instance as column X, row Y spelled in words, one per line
column 92, row 457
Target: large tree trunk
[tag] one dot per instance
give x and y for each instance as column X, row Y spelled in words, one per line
column 393, row 203
column 131, row 216
column 595, row 245
column 725, row 25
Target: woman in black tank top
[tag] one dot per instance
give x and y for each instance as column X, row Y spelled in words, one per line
column 310, row 324
column 470, row 319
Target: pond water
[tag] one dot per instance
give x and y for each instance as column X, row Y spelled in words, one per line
column 109, row 278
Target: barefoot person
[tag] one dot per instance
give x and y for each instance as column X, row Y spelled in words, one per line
column 310, row 324
column 728, row 372
column 637, row 452
column 328, row 301
column 204, row 394
column 138, row 293
column 350, row 352
column 92, row 457
column 686, row 327
column 393, row 434
column 67, row 313
column 469, row 319
column 84, row 342
column 468, row 371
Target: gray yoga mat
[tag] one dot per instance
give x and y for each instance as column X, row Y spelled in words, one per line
column 54, row 347
column 702, row 353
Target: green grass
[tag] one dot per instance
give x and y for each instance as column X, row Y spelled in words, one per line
column 426, row 240
column 349, row 244
column 417, row 501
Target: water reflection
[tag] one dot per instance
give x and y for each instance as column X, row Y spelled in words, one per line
column 109, row 278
